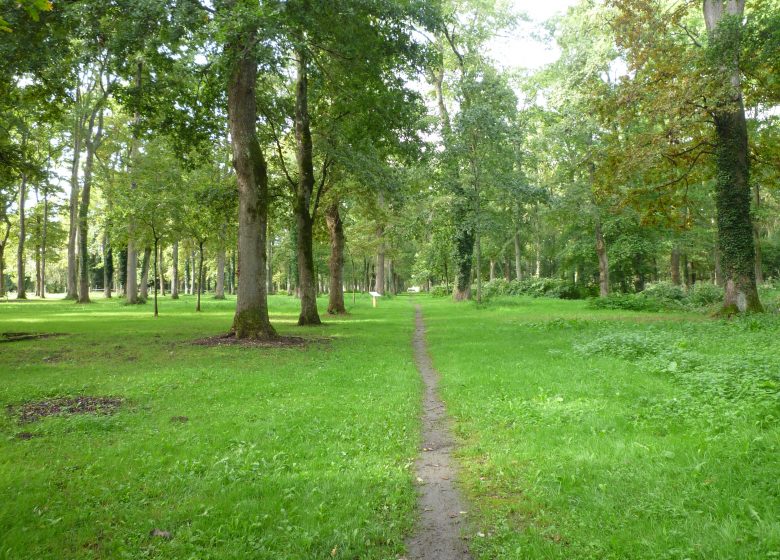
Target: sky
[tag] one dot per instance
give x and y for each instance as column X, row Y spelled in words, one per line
column 521, row 49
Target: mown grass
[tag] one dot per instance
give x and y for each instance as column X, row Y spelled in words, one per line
column 287, row 452
column 613, row 434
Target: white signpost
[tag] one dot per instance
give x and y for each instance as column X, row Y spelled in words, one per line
column 375, row 295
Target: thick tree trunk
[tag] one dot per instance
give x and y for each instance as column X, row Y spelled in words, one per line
column 336, row 262
column 601, row 252
column 132, row 253
column 92, row 144
column 379, row 283
column 200, row 276
column 72, row 273
column 108, row 265
column 270, row 257
column 156, row 269
column 757, row 237
column 161, row 269
column 44, row 235
column 675, row 265
column 219, row 292
column 144, row 291
column 732, row 190
column 131, row 285
column 304, row 214
column 21, row 292
column 251, row 318
column 122, row 275
column 175, row 280
column 478, row 271
column 37, row 271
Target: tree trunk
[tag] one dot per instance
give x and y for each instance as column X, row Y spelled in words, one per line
column 131, row 285
column 132, row 253
column 732, row 190
column 21, row 292
column 757, row 238
column 200, row 276
column 108, row 265
column 675, row 264
column 193, row 272
column 601, row 251
column 379, row 282
column 37, row 270
column 175, row 280
column 44, row 235
column 92, row 144
column 492, row 269
column 161, row 270
column 304, row 214
column 270, row 256
column 122, row 276
column 72, row 274
column 478, row 248
column 518, row 268
column 336, row 262
column 219, row 292
column 144, row 291
column 251, row 319
column 156, row 268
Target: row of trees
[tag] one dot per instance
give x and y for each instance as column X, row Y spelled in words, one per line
column 269, row 137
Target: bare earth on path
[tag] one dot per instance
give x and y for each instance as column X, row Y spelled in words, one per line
column 442, row 515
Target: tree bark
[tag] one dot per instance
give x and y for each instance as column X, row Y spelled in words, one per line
column 144, row 288
column 72, row 273
column 304, row 213
column 336, row 263
column 732, row 190
column 251, row 318
column 379, row 282
column 161, row 269
column 518, row 267
column 92, row 144
column 108, row 265
column 675, row 265
column 44, row 235
column 601, row 252
column 21, row 292
column 132, row 253
column 175, row 280
column 156, row 269
column 200, row 275
column 757, row 238
column 219, row 292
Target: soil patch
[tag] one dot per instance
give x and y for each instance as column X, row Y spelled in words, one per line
column 438, row 533
column 18, row 336
column 229, row 339
column 179, row 419
column 35, row 410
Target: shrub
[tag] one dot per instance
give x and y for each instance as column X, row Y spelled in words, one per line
column 665, row 290
column 631, row 302
column 704, row 293
column 440, row 291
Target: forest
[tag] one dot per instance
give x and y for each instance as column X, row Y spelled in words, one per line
column 389, row 279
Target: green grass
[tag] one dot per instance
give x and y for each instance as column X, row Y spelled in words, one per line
column 584, row 433
column 613, row 434
column 288, row 452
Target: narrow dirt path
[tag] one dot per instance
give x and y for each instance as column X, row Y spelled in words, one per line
column 438, row 534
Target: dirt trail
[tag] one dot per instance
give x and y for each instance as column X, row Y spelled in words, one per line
column 438, row 534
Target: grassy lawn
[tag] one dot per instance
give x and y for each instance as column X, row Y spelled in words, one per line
column 286, row 452
column 584, row 433
column 608, row 434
